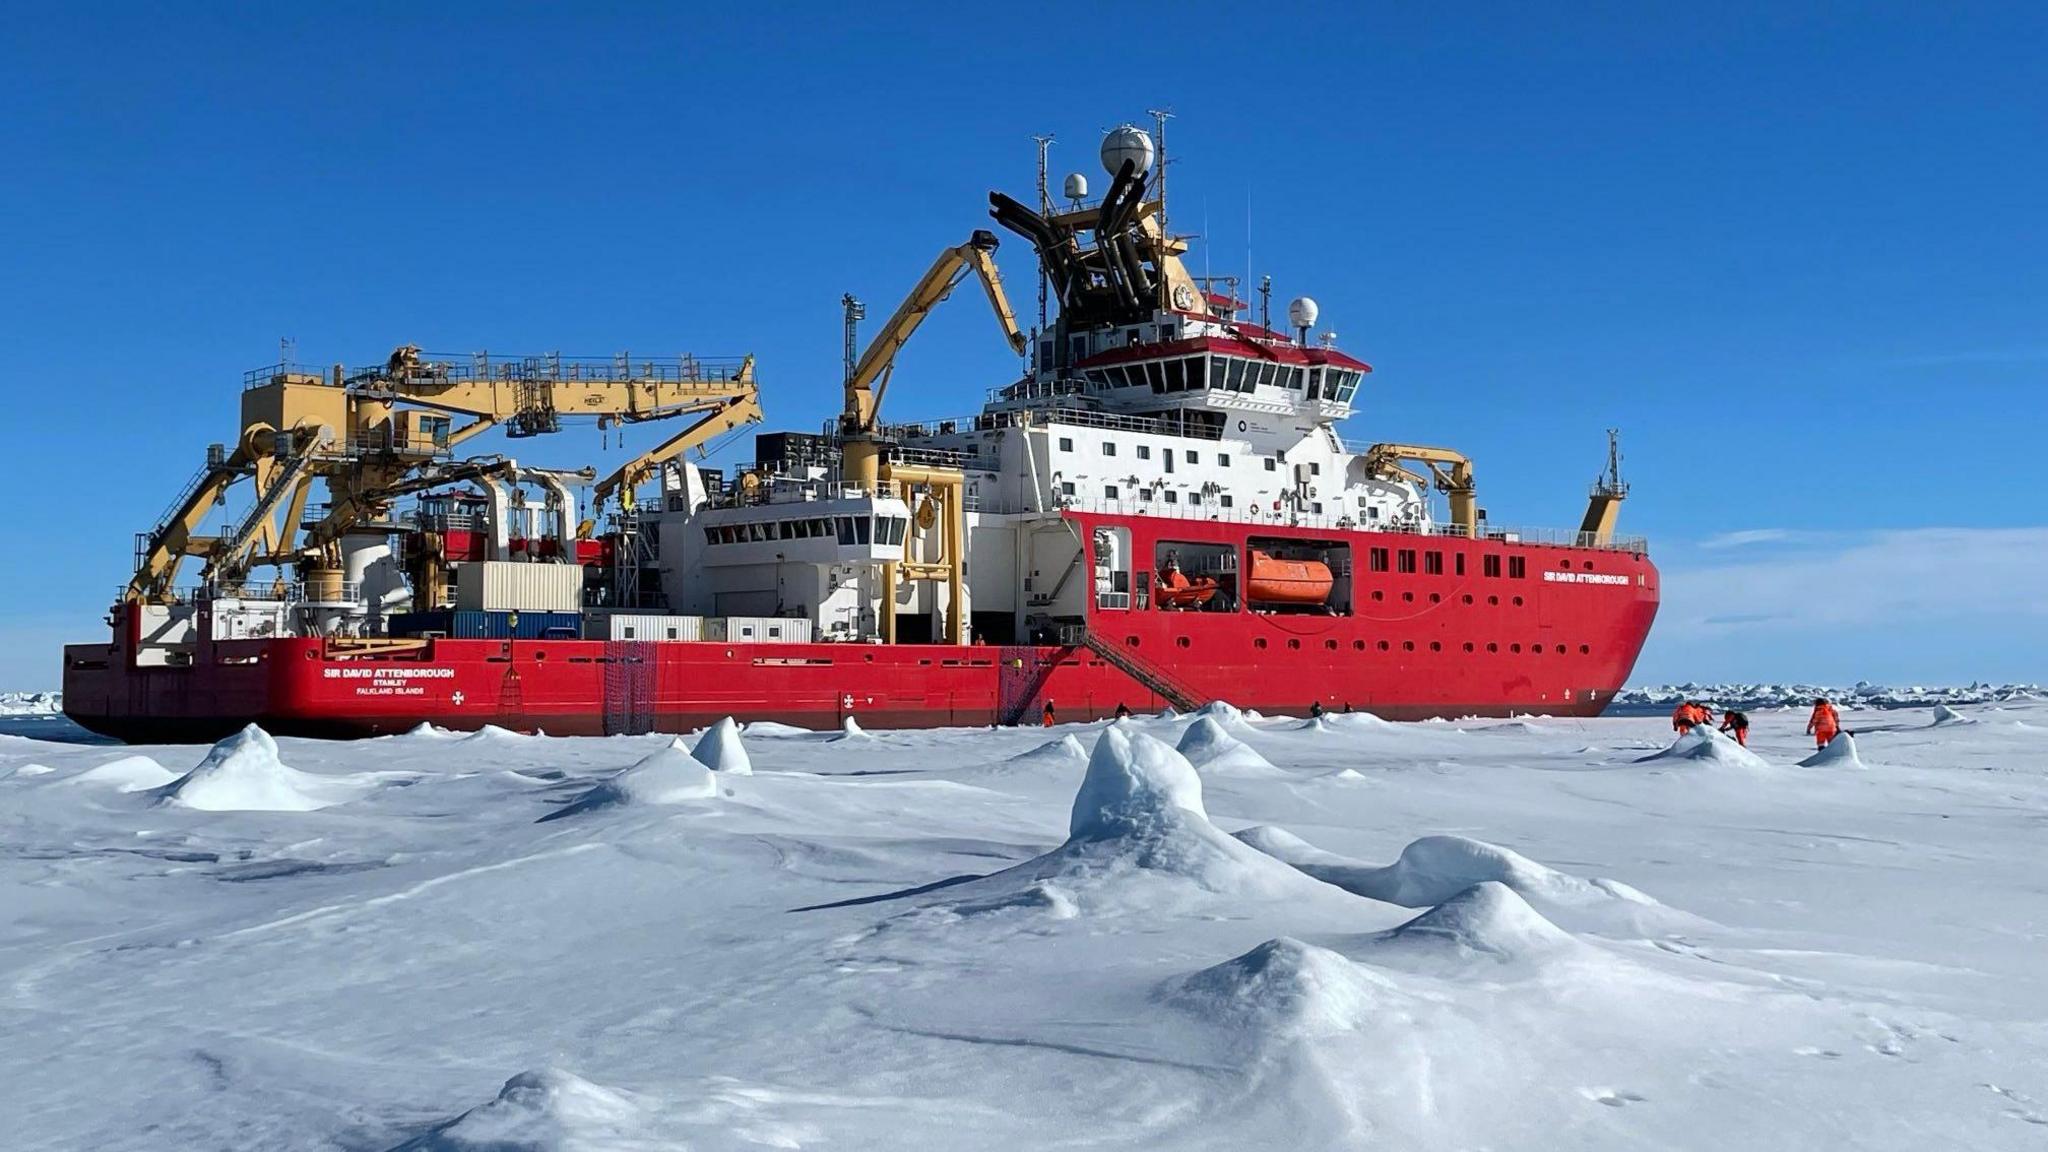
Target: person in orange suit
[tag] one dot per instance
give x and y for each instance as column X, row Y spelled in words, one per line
column 1824, row 723
column 1046, row 720
column 1737, row 723
column 1702, row 715
column 1683, row 717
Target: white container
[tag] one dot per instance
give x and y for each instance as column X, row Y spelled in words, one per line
column 757, row 630
column 641, row 626
column 515, row 586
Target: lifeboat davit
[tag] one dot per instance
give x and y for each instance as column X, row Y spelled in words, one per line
column 1288, row 582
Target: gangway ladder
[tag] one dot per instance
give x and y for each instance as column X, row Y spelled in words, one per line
column 1124, row 660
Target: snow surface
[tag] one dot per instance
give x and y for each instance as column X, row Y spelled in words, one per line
column 1464, row 935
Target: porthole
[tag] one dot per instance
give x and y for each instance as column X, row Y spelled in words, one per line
column 1585, row 650
column 1468, row 597
column 1330, row 644
column 1182, row 641
column 1518, row 601
column 1435, row 598
column 1494, row 600
column 1468, row 646
column 1294, row 644
column 1516, row 648
column 1492, row 647
column 1588, row 565
column 1407, row 645
column 1564, row 563
column 1358, row 644
column 1435, row 646
column 867, row 656
column 1408, row 596
column 1259, row 642
column 1384, row 645
column 1378, row 595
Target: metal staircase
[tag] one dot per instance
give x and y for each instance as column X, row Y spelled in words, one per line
column 294, row 466
column 1124, row 660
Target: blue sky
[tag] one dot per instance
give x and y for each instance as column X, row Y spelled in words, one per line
column 1796, row 253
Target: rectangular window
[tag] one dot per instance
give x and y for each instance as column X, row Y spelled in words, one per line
column 1272, row 464
column 845, row 529
column 1172, row 497
column 1216, row 373
column 1108, row 449
column 1144, row 495
column 1194, row 497
column 1152, row 371
column 1315, row 469
column 1406, row 559
column 1144, row 452
column 1223, row 459
column 1066, row 443
column 1518, row 568
column 1169, row 459
column 1433, row 563
column 1379, row 560
column 1109, row 491
column 1491, row 566
column 863, row 530
column 1316, row 508
column 1193, row 456
column 1176, row 376
column 1315, row 383
column 629, row 630
column 1229, row 502
column 1460, row 558
column 1236, row 375
column 1066, row 487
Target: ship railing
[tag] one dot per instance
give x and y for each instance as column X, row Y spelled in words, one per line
column 553, row 367
column 1262, row 517
column 1084, row 418
column 288, row 591
column 271, row 373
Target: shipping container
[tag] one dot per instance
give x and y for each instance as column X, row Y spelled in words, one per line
column 642, row 626
column 515, row 586
column 758, row 630
column 469, row 625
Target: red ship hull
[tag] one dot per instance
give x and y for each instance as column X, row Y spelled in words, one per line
column 1560, row 638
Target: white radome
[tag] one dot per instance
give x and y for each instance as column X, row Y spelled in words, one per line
column 1077, row 186
column 1128, row 142
column 1302, row 312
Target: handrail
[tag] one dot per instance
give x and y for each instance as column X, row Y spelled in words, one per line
column 1284, row 519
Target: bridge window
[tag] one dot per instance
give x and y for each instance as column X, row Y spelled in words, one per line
column 1218, row 366
column 1236, row 378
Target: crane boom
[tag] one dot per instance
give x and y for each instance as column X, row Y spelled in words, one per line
column 869, row 380
column 1457, row 482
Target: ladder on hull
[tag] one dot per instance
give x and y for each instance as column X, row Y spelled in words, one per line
column 1143, row 671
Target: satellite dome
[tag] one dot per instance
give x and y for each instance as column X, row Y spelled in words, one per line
column 1077, row 186
column 1128, row 142
column 1302, row 312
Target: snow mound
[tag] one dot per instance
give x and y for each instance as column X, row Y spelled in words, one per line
column 1436, row 869
column 1207, row 746
column 1837, row 753
column 243, row 774
column 127, row 774
column 720, row 750
column 1065, row 750
column 771, row 728
column 850, row 729
column 1489, row 919
column 1944, row 715
column 484, row 735
column 1223, row 712
column 36, row 770
column 1704, row 745
column 1354, row 722
column 541, row 1111
column 670, row 775
column 1134, row 783
column 426, row 731
column 1285, row 989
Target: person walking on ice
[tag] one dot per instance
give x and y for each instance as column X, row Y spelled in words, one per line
column 1824, row 723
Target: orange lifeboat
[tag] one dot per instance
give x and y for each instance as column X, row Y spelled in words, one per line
column 1292, row 582
column 1175, row 590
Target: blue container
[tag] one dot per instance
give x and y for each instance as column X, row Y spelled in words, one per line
column 475, row 625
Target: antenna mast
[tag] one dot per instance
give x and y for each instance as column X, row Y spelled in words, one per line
column 1159, row 118
column 855, row 313
column 1044, row 209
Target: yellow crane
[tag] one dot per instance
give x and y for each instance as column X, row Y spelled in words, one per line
column 365, row 434
column 861, row 445
column 1451, row 473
